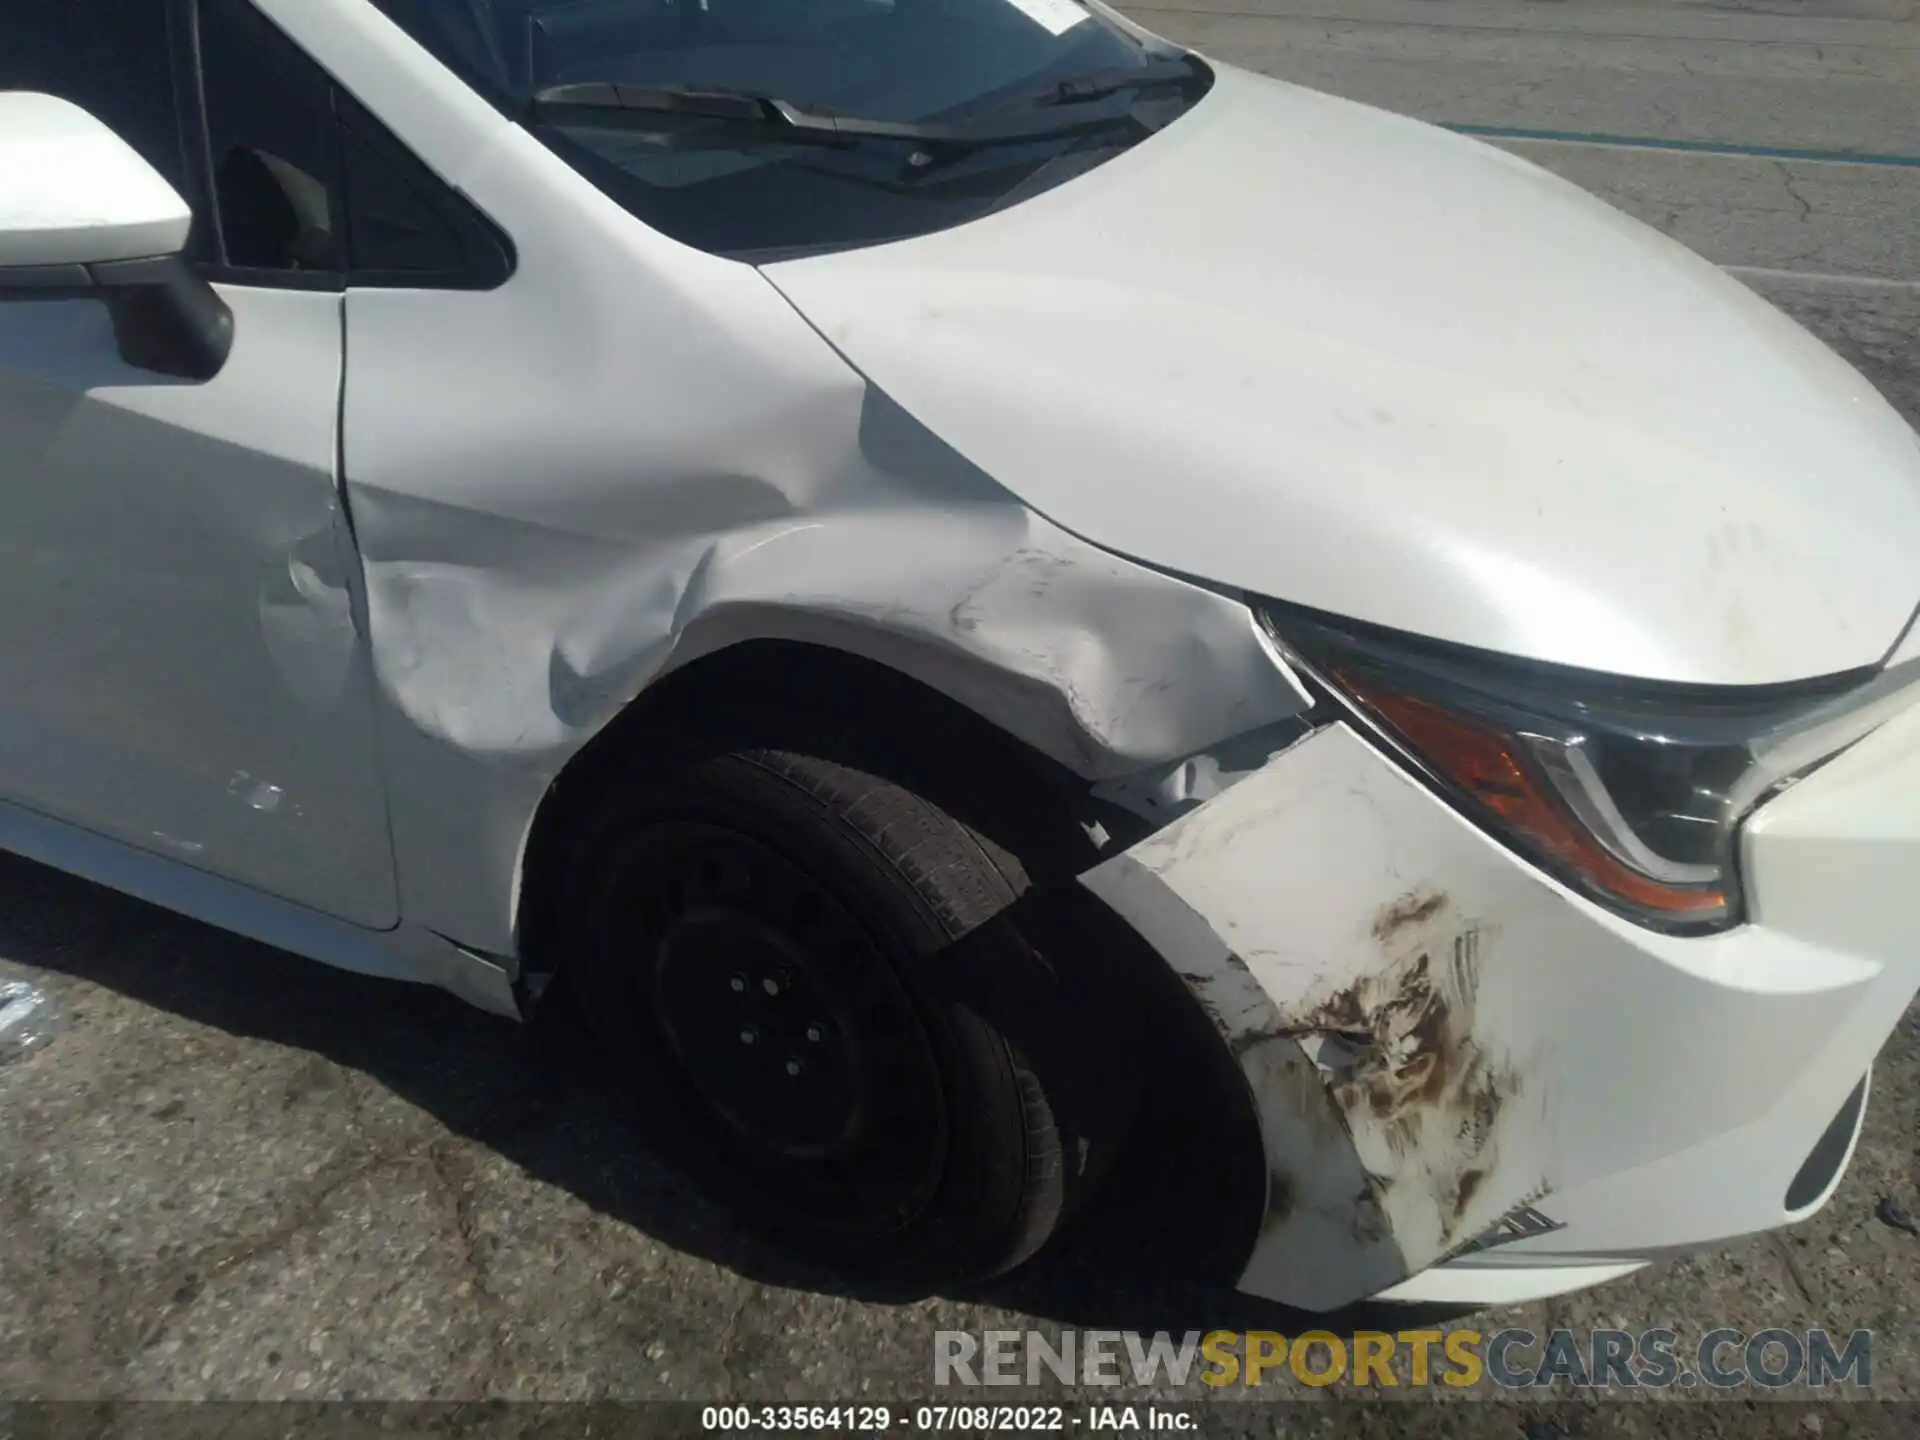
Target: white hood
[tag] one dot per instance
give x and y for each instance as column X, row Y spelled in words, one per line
column 1326, row 354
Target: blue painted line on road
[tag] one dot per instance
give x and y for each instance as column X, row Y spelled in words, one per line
column 1690, row 147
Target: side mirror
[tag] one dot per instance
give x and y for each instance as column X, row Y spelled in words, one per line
column 83, row 215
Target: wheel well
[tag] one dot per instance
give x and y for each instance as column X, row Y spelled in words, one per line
column 830, row 703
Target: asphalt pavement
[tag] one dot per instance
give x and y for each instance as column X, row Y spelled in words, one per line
column 228, row 1173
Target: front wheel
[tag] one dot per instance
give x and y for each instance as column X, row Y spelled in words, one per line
column 817, row 985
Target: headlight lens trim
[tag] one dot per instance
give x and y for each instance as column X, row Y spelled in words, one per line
column 1631, row 792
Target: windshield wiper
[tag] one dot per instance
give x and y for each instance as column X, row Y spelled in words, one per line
column 640, row 106
column 1161, row 71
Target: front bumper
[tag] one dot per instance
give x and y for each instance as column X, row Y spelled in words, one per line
column 1476, row 1087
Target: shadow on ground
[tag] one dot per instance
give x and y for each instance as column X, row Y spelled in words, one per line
column 1154, row 1250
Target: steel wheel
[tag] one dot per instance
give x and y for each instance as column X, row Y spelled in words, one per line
column 781, row 1014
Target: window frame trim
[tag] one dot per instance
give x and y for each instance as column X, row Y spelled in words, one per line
column 452, row 204
column 186, row 62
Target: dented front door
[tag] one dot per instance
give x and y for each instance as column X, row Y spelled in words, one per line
column 179, row 664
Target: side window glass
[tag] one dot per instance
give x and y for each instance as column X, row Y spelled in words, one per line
column 110, row 57
column 406, row 226
column 270, row 141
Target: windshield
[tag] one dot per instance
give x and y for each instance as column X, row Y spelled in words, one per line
column 754, row 188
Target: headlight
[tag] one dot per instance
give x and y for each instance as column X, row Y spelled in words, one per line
column 1630, row 791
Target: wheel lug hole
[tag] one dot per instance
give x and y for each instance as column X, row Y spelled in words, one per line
column 815, row 1034
column 770, row 985
column 749, row 1036
column 794, row 1067
column 738, row 984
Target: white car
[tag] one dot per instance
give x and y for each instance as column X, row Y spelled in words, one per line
column 899, row 546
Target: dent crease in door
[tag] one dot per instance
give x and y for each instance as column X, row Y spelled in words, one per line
column 183, row 668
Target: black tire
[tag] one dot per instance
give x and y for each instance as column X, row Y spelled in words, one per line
column 728, row 908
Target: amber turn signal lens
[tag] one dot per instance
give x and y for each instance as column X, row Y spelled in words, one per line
column 1491, row 769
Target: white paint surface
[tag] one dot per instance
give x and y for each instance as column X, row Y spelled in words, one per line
column 183, row 670
column 1056, row 17
column 1330, row 355
column 1279, row 894
column 72, row 192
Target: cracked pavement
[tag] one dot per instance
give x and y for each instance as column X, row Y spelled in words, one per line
column 1827, row 77
column 230, row 1173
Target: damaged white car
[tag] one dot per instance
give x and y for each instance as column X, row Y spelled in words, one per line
column 864, row 535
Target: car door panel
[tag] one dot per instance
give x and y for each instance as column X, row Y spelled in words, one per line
column 179, row 661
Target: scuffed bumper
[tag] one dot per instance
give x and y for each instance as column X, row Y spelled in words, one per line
column 1476, row 1087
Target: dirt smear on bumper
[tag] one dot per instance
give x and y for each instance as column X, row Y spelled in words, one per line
column 1404, row 1065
